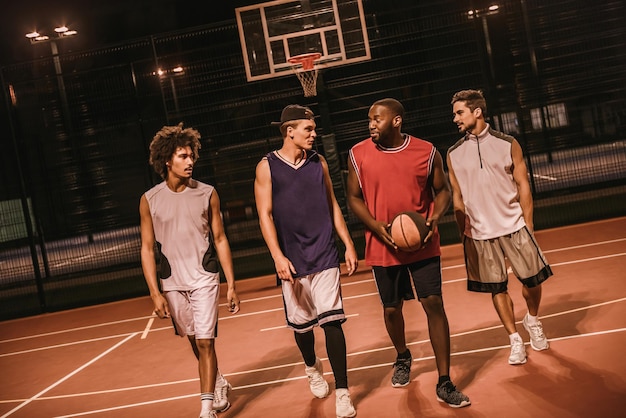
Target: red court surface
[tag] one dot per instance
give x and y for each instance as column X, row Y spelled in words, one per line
column 115, row 360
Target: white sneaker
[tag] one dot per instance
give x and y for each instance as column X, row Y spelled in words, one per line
column 518, row 352
column 343, row 404
column 210, row 414
column 317, row 383
column 538, row 340
column 220, row 400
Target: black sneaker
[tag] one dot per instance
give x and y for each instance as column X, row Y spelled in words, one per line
column 446, row 392
column 401, row 372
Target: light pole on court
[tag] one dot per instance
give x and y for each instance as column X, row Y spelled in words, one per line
column 34, row 37
column 168, row 75
column 62, row 33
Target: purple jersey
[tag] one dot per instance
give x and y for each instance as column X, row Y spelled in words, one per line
column 302, row 215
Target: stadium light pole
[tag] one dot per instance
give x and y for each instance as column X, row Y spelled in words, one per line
column 170, row 74
column 62, row 33
column 482, row 15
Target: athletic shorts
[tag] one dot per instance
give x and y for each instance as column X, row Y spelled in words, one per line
column 194, row 312
column 485, row 262
column 313, row 300
column 394, row 282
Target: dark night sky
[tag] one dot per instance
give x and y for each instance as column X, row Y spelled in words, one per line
column 102, row 22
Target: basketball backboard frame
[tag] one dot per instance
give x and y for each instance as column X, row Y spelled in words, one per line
column 272, row 32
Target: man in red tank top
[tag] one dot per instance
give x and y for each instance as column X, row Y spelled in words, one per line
column 388, row 173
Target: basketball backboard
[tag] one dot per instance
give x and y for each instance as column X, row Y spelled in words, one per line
column 273, row 32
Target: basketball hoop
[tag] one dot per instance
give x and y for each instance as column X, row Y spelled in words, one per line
column 306, row 71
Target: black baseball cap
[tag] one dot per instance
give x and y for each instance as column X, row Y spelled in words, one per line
column 294, row 112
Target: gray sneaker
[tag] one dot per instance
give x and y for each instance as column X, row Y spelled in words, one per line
column 538, row 340
column 446, row 392
column 317, row 383
column 220, row 400
column 518, row 352
column 401, row 372
column 343, row 404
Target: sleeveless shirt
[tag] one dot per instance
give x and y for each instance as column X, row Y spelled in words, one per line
column 302, row 214
column 183, row 235
column 483, row 167
column 395, row 180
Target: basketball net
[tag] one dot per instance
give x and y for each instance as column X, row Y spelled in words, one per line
column 306, row 71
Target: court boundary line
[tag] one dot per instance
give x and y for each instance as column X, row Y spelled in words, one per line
column 300, row 363
column 67, row 376
column 354, row 369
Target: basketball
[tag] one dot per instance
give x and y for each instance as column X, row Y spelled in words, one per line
column 408, row 230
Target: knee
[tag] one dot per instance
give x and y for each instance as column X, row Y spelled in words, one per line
column 205, row 345
column 433, row 305
column 392, row 312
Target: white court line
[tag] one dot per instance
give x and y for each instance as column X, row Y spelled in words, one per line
column 104, row 324
column 369, row 367
column 32, row 350
column 573, row 247
column 147, row 329
column 584, row 260
column 58, row 382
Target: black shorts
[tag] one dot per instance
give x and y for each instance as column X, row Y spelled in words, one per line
column 394, row 282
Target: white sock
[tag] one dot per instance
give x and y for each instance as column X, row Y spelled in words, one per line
column 514, row 336
column 531, row 320
column 219, row 380
column 206, row 400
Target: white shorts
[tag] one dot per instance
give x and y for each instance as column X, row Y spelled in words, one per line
column 194, row 312
column 313, row 300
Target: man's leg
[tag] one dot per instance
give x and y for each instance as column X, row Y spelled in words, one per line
column 504, row 306
column 314, row 370
column 336, row 349
column 439, row 332
column 532, row 325
column 220, row 394
column 532, row 295
column 394, row 322
column 207, row 370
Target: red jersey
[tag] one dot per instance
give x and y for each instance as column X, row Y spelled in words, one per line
column 395, row 180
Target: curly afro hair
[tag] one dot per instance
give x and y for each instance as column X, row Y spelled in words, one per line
column 167, row 141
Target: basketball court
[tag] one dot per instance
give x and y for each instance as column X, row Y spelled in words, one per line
column 117, row 360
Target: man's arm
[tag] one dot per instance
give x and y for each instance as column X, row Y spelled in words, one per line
column 263, row 198
column 148, row 262
column 224, row 255
column 356, row 202
column 520, row 175
column 441, row 187
column 457, row 200
column 339, row 222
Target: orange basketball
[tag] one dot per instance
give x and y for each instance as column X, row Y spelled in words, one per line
column 408, row 230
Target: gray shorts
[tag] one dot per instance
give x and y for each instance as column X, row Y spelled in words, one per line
column 485, row 261
column 313, row 300
column 195, row 312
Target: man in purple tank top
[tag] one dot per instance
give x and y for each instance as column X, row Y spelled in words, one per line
column 299, row 215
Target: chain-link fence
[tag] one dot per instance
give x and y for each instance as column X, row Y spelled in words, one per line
column 78, row 125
